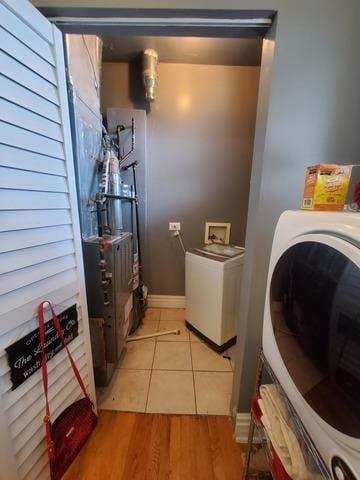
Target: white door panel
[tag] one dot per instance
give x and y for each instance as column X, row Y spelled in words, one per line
column 40, row 243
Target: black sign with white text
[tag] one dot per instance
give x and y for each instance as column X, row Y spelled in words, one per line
column 24, row 356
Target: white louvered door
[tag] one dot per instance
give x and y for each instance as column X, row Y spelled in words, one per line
column 40, row 245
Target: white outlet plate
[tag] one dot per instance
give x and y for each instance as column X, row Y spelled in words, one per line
column 174, row 226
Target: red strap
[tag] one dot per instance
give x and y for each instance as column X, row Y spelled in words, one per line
column 44, row 366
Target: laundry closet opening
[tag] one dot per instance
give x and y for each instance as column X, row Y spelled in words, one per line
column 185, row 157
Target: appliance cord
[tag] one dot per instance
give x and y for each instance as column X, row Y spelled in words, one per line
column 178, row 235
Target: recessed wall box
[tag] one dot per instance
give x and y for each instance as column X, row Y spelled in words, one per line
column 216, row 232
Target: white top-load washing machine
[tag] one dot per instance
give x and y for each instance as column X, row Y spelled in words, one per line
column 212, row 284
column 311, row 332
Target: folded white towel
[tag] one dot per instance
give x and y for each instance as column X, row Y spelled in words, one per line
column 274, row 413
column 275, row 420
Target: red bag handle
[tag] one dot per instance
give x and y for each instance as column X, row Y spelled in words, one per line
column 57, row 325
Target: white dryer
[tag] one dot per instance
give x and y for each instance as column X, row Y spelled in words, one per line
column 213, row 283
column 311, row 333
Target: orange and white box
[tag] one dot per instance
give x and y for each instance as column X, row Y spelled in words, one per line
column 326, row 187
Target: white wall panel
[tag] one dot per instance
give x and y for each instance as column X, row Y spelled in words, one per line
column 26, row 200
column 31, row 17
column 11, row 241
column 21, row 220
column 9, row 282
column 30, row 391
column 20, row 259
column 26, row 34
column 31, row 181
column 40, row 243
column 30, row 161
column 29, row 120
column 25, row 140
column 38, row 290
column 19, row 73
column 18, row 50
column 20, row 95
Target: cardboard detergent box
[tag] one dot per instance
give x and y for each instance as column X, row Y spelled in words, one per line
column 332, row 187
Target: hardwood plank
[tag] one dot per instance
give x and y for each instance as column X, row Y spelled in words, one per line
column 188, row 446
column 226, row 457
column 175, row 448
column 159, row 466
column 204, row 466
column 107, row 448
column 125, row 424
column 138, row 453
column 137, row 446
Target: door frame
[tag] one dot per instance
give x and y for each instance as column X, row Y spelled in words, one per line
column 162, row 21
column 205, row 23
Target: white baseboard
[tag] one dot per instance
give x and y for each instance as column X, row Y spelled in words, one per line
column 166, row 301
column 242, row 426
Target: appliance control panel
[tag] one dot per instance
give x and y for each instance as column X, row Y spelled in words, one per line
column 340, row 470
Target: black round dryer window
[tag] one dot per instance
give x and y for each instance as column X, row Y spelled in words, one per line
column 315, row 309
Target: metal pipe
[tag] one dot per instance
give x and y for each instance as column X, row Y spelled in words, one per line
column 99, row 219
column 132, row 134
column 115, row 189
column 119, row 197
column 134, row 338
column 137, row 219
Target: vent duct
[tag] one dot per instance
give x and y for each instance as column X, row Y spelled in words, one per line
column 150, row 74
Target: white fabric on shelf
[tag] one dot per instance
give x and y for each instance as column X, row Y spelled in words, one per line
column 275, row 420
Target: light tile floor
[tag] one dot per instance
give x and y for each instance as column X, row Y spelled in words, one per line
column 176, row 374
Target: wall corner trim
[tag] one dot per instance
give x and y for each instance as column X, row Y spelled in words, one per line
column 166, row 301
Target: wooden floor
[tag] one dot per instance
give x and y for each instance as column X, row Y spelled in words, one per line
column 136, row 446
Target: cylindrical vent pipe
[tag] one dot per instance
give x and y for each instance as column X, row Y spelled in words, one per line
column 149, row 73
column 114, row 205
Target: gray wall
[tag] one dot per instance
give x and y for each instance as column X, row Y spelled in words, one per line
column 200, row 136
column 312, row 114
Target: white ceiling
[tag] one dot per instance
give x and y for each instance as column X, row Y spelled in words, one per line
column 208, row 51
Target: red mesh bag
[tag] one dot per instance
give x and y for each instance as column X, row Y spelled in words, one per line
column 69, row 432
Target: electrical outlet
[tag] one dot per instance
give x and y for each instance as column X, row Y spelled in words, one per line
column 174, row 226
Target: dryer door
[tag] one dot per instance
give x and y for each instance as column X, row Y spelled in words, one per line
column 313, row 306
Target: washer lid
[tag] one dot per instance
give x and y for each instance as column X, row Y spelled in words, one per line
column 227, row 251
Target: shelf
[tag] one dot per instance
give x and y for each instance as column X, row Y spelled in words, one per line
column 314, row 462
